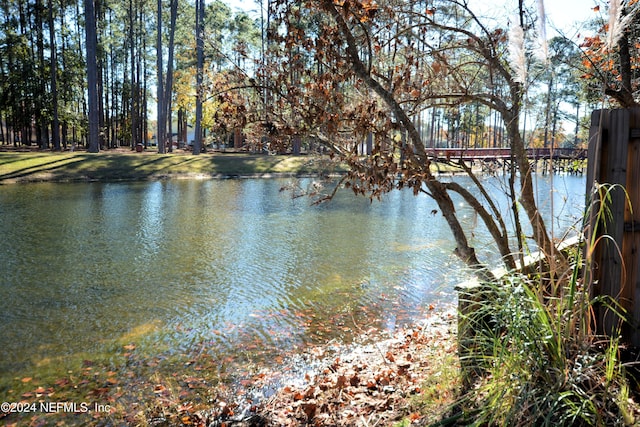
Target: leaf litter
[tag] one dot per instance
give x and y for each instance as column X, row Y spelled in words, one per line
column 374, row 380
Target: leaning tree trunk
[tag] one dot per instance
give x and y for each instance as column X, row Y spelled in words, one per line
column 436, row 189
column 557, row 260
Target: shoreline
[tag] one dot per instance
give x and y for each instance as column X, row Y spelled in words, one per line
column 125, row 166
column 163, row 177
column 37, row 166
column 410, row 375
column 413, row 374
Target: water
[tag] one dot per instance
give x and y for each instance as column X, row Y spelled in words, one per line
column 237, row 264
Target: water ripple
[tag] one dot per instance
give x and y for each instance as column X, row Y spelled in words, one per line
column 231, row 266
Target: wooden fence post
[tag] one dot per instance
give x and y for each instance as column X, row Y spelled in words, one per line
column 614, row 158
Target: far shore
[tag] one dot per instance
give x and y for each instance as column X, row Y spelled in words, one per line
column 20, row 166
column 25, row 165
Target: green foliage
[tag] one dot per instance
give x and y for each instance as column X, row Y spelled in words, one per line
column 537, row 359
column 538, row 365
column 34, row 44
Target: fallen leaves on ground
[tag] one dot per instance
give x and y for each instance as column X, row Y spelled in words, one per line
column 374, row 384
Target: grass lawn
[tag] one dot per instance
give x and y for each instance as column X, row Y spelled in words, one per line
column 125, row 165
column 130, row 166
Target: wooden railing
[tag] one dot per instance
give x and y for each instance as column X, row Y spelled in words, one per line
column 505, row 153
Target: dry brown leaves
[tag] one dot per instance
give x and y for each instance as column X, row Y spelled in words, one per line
column 370, row 385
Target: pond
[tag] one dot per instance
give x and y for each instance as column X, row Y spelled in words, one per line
column 236, row 265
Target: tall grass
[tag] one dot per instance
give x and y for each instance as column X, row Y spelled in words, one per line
column 537, row 358
column 537, row 369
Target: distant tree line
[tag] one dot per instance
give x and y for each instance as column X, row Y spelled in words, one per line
column 171, row 68
column 142, row 57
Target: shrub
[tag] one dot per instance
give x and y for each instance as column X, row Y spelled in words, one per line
column 538, row 362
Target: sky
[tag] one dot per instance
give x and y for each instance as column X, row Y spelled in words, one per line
column 560, row 13
column 242, row 4
column 564, row 14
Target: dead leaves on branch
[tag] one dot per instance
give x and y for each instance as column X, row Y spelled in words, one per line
column 363, row 10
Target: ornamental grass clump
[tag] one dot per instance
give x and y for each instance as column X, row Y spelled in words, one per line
column 537, row 361
column 535, row 370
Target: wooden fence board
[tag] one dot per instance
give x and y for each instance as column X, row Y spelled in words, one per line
column 614, row 158
column 631, row 241
column 595, row 145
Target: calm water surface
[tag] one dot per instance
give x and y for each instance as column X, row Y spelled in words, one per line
column 237, row 265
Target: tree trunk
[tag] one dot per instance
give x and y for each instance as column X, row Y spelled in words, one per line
column 161, row 121
column 624, row 95
column 463, row 251
column 144, row 127
column 100, row 59
column 134, row 82
column 197, row 143
column 527, row 197
column 92, row 76
column 168, row 89
column 55, row 122
column 42, row 126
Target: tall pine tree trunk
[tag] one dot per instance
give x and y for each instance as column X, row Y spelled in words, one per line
column 161, row 121
column 91, row 35
column 197, row 143
column 55, row 122
column 134, row 82
column 168, row 88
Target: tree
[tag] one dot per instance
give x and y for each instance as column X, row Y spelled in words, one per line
column 137, row 79
column 92, row 76
column 161, row 119
column 372, row 67
column 621, row 29
column 610, row 55
column 200, row 10
column 134, row 117
column 17, row 71
column 164, row 88
column 565, row 59
column 53, row 65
